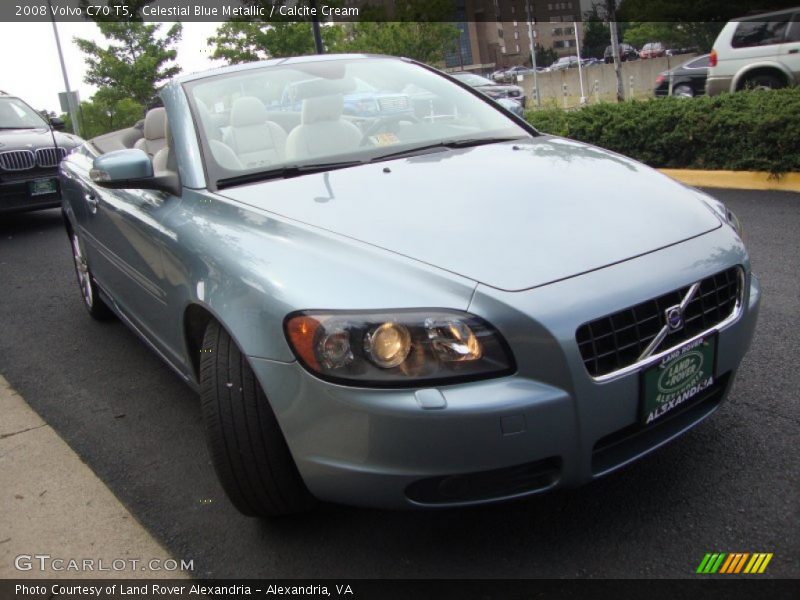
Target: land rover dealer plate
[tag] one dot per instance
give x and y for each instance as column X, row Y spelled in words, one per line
column 677, row 378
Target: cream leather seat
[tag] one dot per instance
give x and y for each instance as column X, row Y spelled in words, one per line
column 154, row 132
column 256, row 141
column 322, row 131
column 164, row 159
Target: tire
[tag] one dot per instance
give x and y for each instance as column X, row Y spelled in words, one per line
column 762, row 81
column 91, row 299
column 247, row 447
column 683, row 91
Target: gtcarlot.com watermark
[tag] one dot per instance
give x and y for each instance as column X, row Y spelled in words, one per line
column 46, row 562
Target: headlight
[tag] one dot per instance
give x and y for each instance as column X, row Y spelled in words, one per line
column 397, row 349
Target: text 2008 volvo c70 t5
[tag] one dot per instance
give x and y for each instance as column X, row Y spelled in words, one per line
column 434, row 308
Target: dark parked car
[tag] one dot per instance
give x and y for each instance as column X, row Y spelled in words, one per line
column 493, row 90
column 30, row 151
column 626, row 52
column 688, row 79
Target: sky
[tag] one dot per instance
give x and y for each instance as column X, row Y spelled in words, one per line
column 30, row 67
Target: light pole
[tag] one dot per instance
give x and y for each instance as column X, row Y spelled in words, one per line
column 73, row 113
column 533, row 51
column 580, row 66
column 315, row 27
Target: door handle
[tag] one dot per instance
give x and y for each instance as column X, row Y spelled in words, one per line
column 91, row 200
column 794, row 51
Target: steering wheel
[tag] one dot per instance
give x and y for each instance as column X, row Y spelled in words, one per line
column 380, row 122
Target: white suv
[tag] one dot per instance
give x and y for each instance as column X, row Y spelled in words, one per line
column 761, row 51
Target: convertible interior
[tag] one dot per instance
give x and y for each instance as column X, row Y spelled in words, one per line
column 266, row 118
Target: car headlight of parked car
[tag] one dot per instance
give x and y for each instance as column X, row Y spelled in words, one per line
column 398, row 348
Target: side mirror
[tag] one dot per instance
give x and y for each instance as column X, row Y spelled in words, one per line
column 57, row 124
column 131, row 169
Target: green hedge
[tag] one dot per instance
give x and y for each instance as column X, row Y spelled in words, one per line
column 748, row 131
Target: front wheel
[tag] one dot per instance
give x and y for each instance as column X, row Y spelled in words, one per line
column 247, row 447
column 91, row 300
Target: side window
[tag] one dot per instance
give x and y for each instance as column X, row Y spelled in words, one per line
column 793, row 34
column 700, row 63
column 760, row 33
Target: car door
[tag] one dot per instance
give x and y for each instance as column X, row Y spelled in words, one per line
column 790, row 49
column 126, row 234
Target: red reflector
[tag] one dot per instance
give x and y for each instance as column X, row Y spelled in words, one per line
column 712, row 59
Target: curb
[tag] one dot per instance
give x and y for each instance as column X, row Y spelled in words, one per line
column 742, row 180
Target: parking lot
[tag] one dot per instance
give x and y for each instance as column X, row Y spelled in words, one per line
column 730, row 485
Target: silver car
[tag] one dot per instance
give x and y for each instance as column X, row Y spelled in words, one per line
column 369, row 319
column 756, row 52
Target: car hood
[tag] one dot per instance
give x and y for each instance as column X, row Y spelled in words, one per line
column 30, row 139
column 509, row 215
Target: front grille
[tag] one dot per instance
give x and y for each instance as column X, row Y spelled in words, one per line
column 17, row 160
column 393, row 104
column 49, row 157
column 616, row 341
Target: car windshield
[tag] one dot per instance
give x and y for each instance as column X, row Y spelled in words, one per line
column 15, row 114
column 472, row 79
column 285, row 120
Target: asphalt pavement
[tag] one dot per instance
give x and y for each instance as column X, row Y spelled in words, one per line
column 730, row 485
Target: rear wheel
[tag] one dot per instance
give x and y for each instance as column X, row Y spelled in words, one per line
column 91, row 299
column 683, row 91
column 247, row 447
column 763, row 81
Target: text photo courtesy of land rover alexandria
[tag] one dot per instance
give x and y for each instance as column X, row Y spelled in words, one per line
column 370, row 318
column 30, row 150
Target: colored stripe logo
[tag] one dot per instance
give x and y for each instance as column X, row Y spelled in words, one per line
column 733, row 563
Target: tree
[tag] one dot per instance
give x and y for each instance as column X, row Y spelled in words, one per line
column 414, row 29
column 697, row 11
column 135, row 62
column 670, row 34
column 243, row 41
column 545, row 56
column 595, row 34
column 98, row 117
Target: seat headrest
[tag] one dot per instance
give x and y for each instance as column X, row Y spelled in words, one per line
column 247, row 111
column 155, row 123
column 322, row 108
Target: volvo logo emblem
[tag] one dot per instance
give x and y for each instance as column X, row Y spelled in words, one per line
column 674, row 317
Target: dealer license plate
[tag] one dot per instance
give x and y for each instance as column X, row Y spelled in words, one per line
column 677, row 378
column 39, row 187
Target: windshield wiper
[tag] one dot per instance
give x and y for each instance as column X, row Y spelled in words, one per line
column 286, row 172
column 447, row 144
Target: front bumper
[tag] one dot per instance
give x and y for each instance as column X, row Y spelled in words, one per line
column 15, row 194
column 548, row 425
